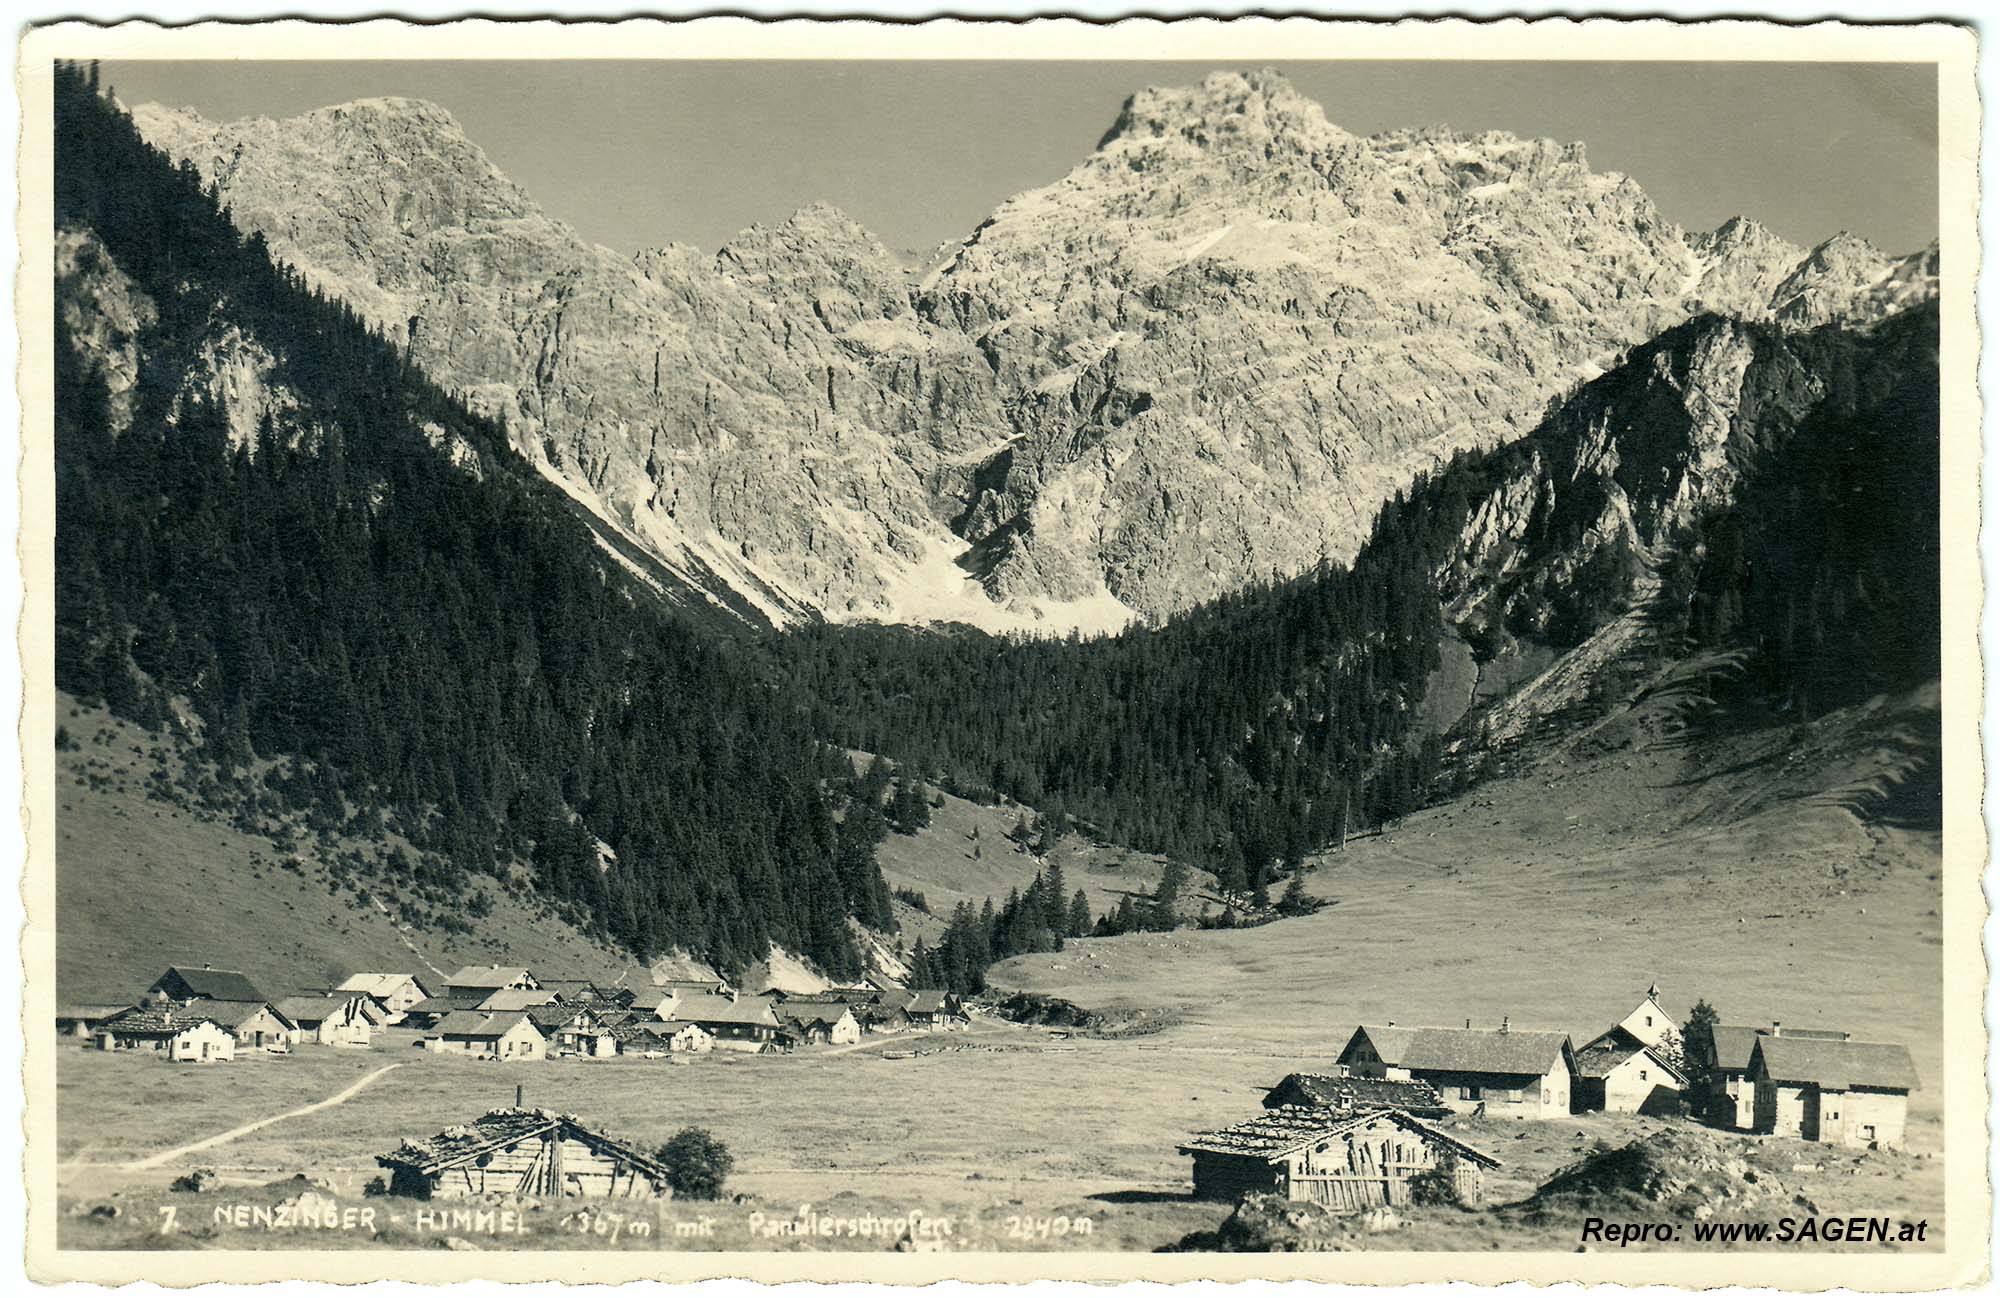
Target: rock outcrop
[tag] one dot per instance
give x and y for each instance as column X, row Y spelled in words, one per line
column 1204, row 357
column 107, row 317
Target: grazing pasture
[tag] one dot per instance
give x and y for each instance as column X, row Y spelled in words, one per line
column 1552, row 898
column 998, row 1129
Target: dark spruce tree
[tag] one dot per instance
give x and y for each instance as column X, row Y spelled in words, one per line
column 444, row 652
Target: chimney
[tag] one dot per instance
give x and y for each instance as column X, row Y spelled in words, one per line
column 1504, row 1024
column 1391, row 1023
column 517, row 1095
column 1468, row 1025
column 1777, row 1028
column 206, row 965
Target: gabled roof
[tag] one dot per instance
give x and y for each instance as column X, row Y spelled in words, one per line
column 446, row 1004
column 685, row 987
column 558, row 1015
column 210, row 984
column 724, row 1009
column 1836, row 1065
column 480, row 1025
column 163, row 1020
column 932, row 1002
column 508, row 998
column 1513, row 1052
column 1603, row 1056
column 234, row 1014
column 1284, row 1131
column 501, row 1128
column 487, row 976
column 1733, row 1046
column 812, row 1012
column 381, row 984
column 1355, row 1094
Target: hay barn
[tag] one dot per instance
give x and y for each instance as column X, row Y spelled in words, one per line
column 530, row 1152
column 1854, row 1093
column 1349, row 1163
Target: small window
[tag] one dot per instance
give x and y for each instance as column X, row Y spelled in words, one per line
column 1642, row 1074
column 1475, row 1092
column 1649, row 1020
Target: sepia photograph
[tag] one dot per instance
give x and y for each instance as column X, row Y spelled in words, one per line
column 806, row 651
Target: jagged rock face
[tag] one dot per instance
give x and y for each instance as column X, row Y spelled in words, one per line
column 1847, row 281
column 770, row 412
column 108, row 317
column 1205, row 356
column 105, row 313
column 1738, row 264
column 1656, row 444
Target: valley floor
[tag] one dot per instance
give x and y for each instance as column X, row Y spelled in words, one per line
column 1017, row 1140
column 1553, row 898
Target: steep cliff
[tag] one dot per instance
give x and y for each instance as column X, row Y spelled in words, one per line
column 1624, row 521
column 1202, row 358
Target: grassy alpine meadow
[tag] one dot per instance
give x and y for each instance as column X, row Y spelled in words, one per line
column 1552, row 898
column 997, row 1137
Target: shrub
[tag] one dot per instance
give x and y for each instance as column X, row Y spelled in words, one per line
column 697, row 1163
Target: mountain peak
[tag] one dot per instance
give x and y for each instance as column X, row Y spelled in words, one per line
column 1225, row 109
column 1844, row 245
column 390, row 106
column 818, row 230
column 1738, row 232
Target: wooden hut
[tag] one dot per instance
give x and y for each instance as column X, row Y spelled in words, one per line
column 1854, row 1093
column 1349, row 1163
column 523, row 1152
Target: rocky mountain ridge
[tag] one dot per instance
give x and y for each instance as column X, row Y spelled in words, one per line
column 1203, row 357
column 1589, row 531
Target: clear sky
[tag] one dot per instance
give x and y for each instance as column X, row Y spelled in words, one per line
column 637, row 154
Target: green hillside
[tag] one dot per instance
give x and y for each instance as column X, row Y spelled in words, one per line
column 143, row 882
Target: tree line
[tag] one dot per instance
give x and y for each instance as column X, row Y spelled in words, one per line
column 452, row 646
column 445, row 644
